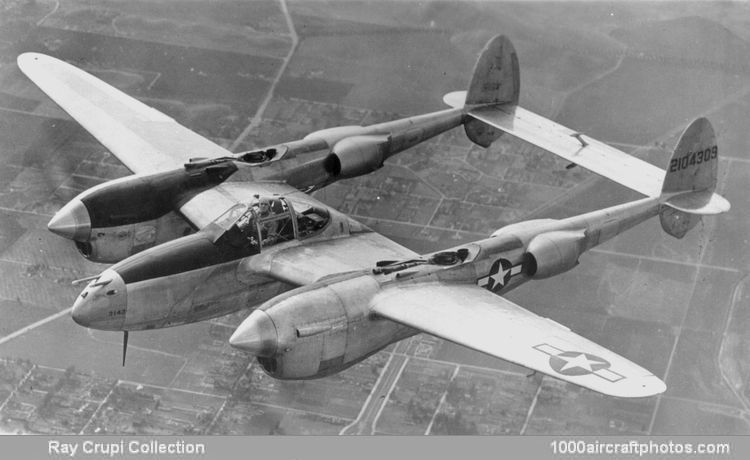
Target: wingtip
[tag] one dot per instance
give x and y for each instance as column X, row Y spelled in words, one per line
column 26, row 61
column 653, row 386
column 25, row 58
column 644, row 387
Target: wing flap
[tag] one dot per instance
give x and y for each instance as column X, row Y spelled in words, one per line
column 144, row 139
column 479, row 319
column 585, row 151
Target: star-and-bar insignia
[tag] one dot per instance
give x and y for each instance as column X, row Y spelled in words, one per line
column 500, row 273
column 574, row 363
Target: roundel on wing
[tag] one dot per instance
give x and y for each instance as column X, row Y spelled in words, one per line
column 577, row 363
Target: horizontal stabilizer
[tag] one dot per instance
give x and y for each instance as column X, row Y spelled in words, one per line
column 455, row 99
column 704, row 203
column 574, row 147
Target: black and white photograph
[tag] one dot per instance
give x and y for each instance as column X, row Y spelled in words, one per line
column 339, row 217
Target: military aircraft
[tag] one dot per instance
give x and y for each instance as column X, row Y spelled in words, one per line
column 325, row 291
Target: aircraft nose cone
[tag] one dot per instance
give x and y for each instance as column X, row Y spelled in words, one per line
column 102, row 305
column 256, row 335
column 72, row 221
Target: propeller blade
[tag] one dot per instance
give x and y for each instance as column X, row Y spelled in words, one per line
column 124, row 346
column 85, row 280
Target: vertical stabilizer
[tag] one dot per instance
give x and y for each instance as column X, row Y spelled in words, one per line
column 689, row 184
column 496, row 78
column 694, row 163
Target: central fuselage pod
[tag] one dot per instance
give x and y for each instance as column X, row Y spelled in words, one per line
column 201, row 276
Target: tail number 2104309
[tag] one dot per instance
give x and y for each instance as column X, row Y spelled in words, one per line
column 693, row 158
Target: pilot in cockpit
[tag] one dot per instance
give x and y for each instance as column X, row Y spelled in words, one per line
column 264, row 207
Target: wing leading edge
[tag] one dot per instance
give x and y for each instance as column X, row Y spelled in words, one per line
column 479, row 319
column 143, row 138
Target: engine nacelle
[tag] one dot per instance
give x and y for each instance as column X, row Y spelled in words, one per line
column 552, row 253
column 119, row 218
column 113, row 244
column 357, row 155
column 317, row 330
column 141, row 198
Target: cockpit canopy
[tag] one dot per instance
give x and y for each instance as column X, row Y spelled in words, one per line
column 267, row 221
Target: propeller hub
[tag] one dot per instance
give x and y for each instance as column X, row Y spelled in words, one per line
column 256, row 335
column 72, row 221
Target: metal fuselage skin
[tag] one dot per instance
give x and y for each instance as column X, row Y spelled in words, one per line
column 324, row 328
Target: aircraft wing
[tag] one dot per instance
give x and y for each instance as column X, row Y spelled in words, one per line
column 589, row 153
column 476, row 318
column 309, row 262
column 144, row 139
